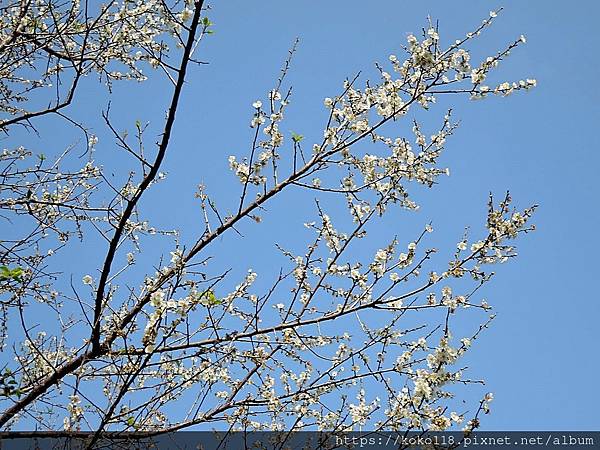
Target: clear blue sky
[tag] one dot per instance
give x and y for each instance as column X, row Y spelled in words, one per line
column 539, row 357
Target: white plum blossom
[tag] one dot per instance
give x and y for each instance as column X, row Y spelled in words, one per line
column 157, row 298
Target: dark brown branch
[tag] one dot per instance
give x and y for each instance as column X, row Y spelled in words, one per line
column 112, row 249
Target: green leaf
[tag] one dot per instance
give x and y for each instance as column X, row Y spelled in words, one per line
column 210, row 298
column 4, row 273
column 131, row 421
column 8, row 274
column 16, row 274
column 138, row 124
column 297, row 137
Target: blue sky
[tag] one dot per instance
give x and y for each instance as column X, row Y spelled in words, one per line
column 539, row 357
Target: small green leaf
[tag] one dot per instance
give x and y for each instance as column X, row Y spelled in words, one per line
column 4, row 273
column 297, row 137
column 209, row 298
column 16, row 274
column 131, row 421
column 138, row 124
column 7, row 274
